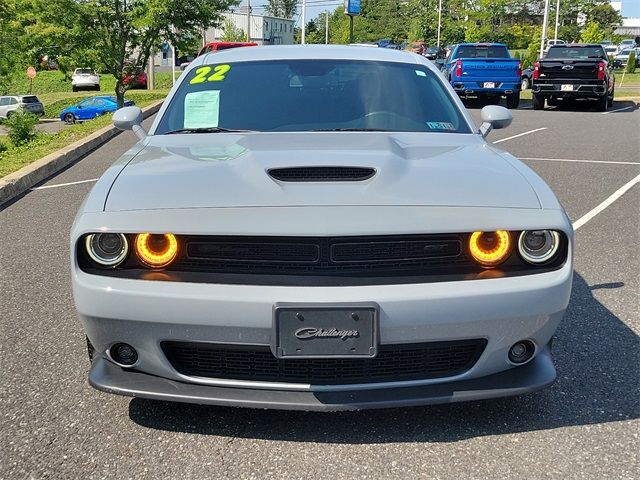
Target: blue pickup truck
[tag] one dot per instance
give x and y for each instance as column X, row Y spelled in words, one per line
column 484, row 70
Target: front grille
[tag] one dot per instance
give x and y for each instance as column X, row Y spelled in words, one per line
column 322, row 174
column 352, row 256
column 393, row 363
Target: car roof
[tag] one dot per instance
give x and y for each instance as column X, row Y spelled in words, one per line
column 308, row 52
column 481, row 44
column 569, row 45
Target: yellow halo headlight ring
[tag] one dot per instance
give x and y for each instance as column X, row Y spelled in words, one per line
column 156, row 250
column 490, row 249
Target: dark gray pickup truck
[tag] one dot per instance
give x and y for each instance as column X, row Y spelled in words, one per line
column 572, row 72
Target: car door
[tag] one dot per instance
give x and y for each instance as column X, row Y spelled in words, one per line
column 85, row 110
column 100, row 106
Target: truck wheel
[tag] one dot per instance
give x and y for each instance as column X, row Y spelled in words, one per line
column 525, row 83
column 602, row 103
column 513, row 100
column 538, row 102
column 552, row 101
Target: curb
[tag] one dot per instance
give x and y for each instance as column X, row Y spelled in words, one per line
column 18, row 182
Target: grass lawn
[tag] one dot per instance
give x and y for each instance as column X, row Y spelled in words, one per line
column 13, row 158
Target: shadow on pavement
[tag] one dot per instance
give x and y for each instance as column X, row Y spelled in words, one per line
column 596, row 355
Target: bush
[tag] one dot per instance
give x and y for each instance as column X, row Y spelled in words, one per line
column 22, row 127
column 631, row 63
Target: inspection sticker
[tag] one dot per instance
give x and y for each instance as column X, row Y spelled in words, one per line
column 202, row 109
column 420, row 73
column 440, row 126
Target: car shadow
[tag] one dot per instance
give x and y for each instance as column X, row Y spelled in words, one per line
column 596, row 355
column 618, row 106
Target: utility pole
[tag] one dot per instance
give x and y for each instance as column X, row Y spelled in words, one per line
column 248, row 20
column 304, row 21
column 555, row 37
column 439, row 21
column 326, row 27
column 544, row 26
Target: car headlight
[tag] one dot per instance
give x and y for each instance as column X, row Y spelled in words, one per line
column 538, row 246
column 490, row 248
column 107, row 249
column 156, row 250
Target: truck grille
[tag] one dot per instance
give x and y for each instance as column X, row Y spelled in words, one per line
column 416, row 361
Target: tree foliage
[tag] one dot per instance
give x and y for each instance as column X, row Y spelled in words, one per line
column 281, row 8
column 232, row 33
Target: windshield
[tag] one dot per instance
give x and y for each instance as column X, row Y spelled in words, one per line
column 578, row 53
column 308, row 95
column 475, row 51
column 84, row 71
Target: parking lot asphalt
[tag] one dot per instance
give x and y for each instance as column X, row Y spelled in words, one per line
column 53, row 425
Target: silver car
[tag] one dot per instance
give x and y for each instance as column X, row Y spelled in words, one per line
column 319, row 228
column 26, row 103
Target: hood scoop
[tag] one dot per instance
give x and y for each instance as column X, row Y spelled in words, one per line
column 322, row 174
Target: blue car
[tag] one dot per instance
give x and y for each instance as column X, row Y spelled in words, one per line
column 91, row 107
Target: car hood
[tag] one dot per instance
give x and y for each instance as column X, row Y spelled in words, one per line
column 231, row 170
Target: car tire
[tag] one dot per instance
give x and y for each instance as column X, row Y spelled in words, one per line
column 74, row 89
column 513, row 100
column 525, row 84
column 69, row 118
column 552, row 101
column 97, row 88
column 602, row 103
column 538, row 102
column 612, row 96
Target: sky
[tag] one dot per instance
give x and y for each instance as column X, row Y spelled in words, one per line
column 631, row 8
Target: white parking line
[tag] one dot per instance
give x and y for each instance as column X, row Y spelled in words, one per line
column 579, row 161
column 617, row 110
column 64, row 184
column 520, row 135
column 616, row 195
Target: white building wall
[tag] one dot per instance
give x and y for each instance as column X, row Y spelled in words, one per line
column 264, row 30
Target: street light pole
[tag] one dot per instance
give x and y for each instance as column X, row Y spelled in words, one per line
column 439, row 20
column 544, row 26
column 555, row 36
column 326, row 28
column 304, row 21
column 248, row 20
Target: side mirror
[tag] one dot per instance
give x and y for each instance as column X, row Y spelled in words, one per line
column 494, row 116
column 130, row 118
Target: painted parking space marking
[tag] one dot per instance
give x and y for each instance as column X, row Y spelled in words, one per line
column 612, row 198
column 64, row 184
column 571, row 160
column 617, row 110
column 529, row 132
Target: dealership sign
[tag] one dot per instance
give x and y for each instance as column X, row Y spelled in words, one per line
column 352, row 7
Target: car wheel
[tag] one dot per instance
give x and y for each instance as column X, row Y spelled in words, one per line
column 69, row 118
column 74, row 89
column 538, row 102
column 9, row 114
column 552, row 101
column 513, row 100
column 525, row 84
column 97, row 88
column 613, row 93
column 602, row 103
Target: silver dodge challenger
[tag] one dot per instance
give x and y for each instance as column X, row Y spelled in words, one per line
column 319, row 228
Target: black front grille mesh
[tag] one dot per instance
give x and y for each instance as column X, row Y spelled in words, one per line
column 393, row 363
column 322, row 174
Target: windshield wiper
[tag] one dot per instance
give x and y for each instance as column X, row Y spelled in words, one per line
column 207, row 130
column 350, row 130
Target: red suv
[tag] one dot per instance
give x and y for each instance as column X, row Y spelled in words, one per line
column 136, row 79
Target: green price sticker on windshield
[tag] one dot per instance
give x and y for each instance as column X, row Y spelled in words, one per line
column 202, row 74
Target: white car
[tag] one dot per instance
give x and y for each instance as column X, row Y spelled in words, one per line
column 85, row 79
column 319, row 228
column 622, row 58
column 26, row 103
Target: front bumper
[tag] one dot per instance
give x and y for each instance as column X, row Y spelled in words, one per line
column 533, row 376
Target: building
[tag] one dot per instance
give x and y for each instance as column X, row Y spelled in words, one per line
column 264, row 30
column 630, row 28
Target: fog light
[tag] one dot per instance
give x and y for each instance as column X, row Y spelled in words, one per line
column 521, row 351
column 123, row 354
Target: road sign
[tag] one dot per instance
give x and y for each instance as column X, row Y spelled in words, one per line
column 31, row 73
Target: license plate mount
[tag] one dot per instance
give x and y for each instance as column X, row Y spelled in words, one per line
column 325, row 331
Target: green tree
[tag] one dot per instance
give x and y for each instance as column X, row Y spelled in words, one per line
column 281, row 8
column 592, row 33
column 122, row 33
column 231, row 32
